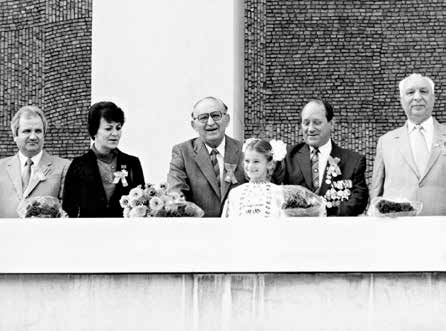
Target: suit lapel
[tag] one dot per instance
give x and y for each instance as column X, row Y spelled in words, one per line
column 438, row 142
column 15, row 174
column 232, row 156
column 303, row 158
column 204, row 163
column 402, row 138
column 120, row 161
column 39, row 174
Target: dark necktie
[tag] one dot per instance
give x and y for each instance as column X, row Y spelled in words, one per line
column 315, row 168
column 27, row 173
column 214, row 161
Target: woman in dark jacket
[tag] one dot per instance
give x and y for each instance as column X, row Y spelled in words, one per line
column 96, row 180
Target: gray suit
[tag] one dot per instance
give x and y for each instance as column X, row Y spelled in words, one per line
column 395, row 174
column 47, row 180
column 191, row 172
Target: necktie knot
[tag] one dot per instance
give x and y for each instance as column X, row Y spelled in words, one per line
column 29, row 162
column 315, row 152
column 214, row 151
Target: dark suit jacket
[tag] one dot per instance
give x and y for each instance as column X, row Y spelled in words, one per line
column 191, row 172
column 84, row 194
column 295, row 169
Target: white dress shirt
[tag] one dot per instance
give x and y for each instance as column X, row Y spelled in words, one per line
column 428, row 132
column 36, row 159
column 220, row 156
column 324, row 153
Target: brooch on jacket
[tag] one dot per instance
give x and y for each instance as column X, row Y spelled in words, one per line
column 230, row 176
column 121, row 176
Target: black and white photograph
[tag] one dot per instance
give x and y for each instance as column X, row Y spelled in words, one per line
column 215, row 165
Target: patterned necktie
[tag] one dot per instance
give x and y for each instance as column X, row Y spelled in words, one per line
column 27, row 173
column 315, row 168
column 214, row 161
column 420, row 151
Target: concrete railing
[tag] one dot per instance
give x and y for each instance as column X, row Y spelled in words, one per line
column 237, row 274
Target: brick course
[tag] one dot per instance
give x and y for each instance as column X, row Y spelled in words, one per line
column 351, row 53
column 45, row 59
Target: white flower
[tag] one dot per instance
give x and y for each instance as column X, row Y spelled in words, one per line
column 126, row 212
column 139, row 211
column 136, row 193
column 177, row 196
column 124, row 201
column 156, row 204
column 136, row 202
column 278, row 149
column 40, row 176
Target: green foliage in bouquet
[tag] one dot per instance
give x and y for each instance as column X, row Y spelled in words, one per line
column 393, row 207
column 155, row 201
column 299, row 201
column 386, row 206
column 41, row 207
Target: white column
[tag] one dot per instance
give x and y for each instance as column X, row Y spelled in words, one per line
column 155, row 59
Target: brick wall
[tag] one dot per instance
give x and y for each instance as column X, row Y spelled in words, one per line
column 45, row 59
column 351, row 53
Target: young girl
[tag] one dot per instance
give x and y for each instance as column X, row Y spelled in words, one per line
column 259, row 197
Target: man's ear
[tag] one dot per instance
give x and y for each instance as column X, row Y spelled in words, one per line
column 192, row 124
column 228, row 117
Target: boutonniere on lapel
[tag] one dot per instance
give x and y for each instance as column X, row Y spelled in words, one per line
column 339, row 189
column 121, row 176
column 230, row 176
column 40, row 176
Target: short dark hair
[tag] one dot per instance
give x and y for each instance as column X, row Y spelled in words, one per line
column 329, row 112
column 103, row 109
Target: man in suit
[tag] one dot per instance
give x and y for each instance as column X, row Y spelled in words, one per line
column 31, row 172
column 205, row 168
column 320, row 165
column 410, row 161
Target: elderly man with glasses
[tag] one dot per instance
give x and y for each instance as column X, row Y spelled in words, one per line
column 207, row 167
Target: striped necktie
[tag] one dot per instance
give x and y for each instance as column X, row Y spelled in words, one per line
column 214, row 162
column 420, row 151
column 27, row 173
column 315, row 168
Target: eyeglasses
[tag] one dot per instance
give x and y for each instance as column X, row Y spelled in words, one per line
column 216, row 116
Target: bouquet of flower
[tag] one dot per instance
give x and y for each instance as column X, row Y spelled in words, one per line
column 155, row 201
column 42, row 207
column 394, row 207
column 300, row 201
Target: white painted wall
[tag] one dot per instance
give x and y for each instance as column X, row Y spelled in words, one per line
column 155, row 59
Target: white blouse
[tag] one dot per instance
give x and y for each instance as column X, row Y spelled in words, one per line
column 254, row 199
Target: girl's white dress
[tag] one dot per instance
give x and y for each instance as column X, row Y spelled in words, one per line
column 254, row 199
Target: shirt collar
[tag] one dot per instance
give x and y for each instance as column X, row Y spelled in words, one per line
column 325, row 148
column 36, row 158
column 220, row 148
column 427, row 124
